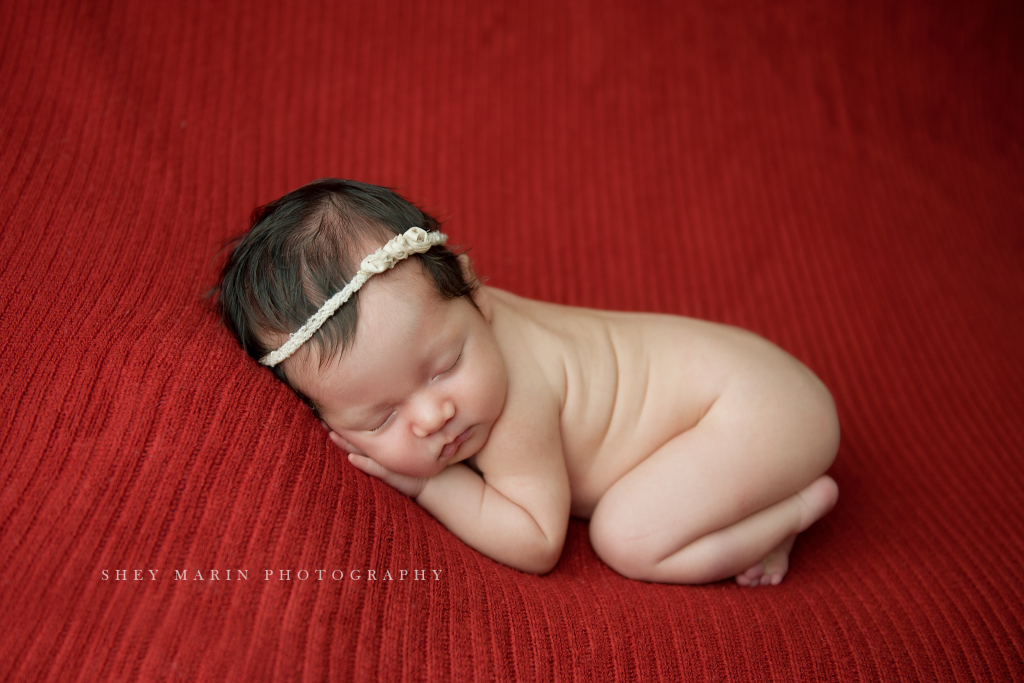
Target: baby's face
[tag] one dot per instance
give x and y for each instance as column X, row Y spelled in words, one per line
column 423, row 383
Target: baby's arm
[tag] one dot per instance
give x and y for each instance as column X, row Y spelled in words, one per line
column 519, row 521
column 518, row 511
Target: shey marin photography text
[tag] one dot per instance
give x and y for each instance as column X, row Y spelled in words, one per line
column 272, row 574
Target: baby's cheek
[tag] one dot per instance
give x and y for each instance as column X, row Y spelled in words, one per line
column 497, row 386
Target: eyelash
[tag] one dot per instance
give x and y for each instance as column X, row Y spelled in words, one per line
column 388, row 419
column 449, row 369
column 381, row 425
column 454, row 364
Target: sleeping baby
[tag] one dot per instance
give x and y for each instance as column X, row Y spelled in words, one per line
column 696, row 450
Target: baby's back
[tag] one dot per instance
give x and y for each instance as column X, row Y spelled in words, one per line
column 630, row 382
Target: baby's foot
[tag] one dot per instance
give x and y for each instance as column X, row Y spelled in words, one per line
column 771, row 570
column 814, row 501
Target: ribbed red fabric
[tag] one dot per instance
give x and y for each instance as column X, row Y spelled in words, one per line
column 844, row 178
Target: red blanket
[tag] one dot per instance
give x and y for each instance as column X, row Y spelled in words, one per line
column 844, row 178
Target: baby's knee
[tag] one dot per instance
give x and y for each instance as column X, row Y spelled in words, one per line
column 627, row 542
column 643, row 557
column 620, row 549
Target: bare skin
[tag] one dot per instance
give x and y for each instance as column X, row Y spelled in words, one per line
column 696, row 450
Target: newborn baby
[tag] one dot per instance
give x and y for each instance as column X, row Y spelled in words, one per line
column 696, row 450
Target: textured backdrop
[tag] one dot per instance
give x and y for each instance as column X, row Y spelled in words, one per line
column 844, row 178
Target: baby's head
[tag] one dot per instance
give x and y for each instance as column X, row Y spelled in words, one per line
column 383, row 350
column 304, row 247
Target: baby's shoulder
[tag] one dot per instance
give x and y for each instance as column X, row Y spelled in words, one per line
column 525, row 439
column 533, row 339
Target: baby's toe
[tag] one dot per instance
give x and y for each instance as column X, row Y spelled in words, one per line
column 751, row 577
column 771, row 570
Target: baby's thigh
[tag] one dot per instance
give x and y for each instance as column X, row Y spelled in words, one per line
column 743, row 456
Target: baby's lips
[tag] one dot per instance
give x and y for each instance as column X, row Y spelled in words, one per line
column 450, row 448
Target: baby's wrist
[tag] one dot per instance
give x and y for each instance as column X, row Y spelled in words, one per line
column 423, row 484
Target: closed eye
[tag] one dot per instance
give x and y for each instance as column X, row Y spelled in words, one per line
column 455, row 363
column 384, row 423
column 452, row 366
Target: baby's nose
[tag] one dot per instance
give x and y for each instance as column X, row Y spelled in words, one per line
column 432, row 415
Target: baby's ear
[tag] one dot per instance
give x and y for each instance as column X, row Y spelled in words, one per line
column 480, row 296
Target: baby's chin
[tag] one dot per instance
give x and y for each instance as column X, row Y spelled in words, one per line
column 440, row 465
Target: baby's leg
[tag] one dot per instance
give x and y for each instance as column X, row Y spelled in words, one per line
column 756, row 536
column 724, row 498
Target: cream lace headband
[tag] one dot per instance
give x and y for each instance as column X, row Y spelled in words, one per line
column 398, row 248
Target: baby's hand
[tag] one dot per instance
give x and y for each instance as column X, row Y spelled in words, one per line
column 410, row 486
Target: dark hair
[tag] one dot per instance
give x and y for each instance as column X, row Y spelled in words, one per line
column 305, row 247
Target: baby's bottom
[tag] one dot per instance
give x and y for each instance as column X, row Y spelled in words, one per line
column 722, row 499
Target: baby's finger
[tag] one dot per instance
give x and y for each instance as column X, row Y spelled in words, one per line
column 410, row 486
column 336, row 440
column 368, row 466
